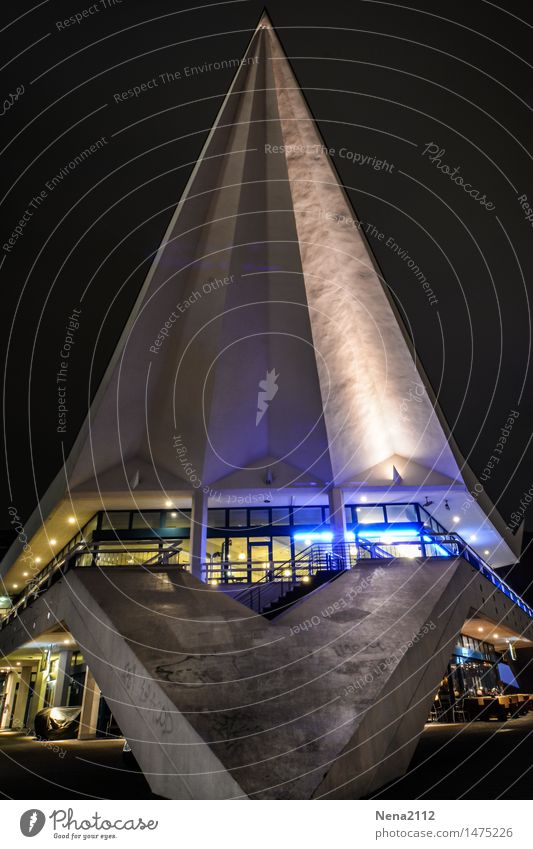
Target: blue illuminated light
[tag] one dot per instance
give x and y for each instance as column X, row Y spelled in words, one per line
column 323, row 536
column 389, row 536
column 443, row 551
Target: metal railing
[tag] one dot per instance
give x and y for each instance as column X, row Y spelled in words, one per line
column 455, row 546
column 90, row 555
column 299, row 569
column 333, row 557
column 278, row 577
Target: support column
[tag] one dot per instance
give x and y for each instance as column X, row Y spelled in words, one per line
column 10, row 695
column 337, row 515
column 89, row 707
column 39, row 691
column 63, row 678
column 198, row 532
column 22, row 697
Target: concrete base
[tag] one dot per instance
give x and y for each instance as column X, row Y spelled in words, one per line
column 328, row 700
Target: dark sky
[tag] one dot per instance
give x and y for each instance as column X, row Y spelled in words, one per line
column 382, row 79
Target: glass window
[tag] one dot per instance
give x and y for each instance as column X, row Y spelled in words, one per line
column 348, row 514
column 238, row 518
column 117, row 520
column 401, row 513
column 148, row 519
column 176, row 519
column 259, row 517
column 237, row 549
column 90, row 527
column 227, row 560
column 308, row 516
column 214, row 546
column 281, row 515
column 216, row 518
column 369, row 515
column 281, row 549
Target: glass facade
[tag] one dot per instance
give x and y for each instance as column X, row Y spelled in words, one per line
column 246, row 543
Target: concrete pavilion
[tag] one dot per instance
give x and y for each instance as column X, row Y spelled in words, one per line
column 257, row 547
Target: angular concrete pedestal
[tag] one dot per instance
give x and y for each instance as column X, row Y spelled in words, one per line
column 328, row 700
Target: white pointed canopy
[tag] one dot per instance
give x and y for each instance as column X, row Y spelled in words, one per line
column 263, row 279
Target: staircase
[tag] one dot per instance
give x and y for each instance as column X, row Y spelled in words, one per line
column 286, row 601
column 314, row 566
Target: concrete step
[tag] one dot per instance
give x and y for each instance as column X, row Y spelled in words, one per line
column 282, row 604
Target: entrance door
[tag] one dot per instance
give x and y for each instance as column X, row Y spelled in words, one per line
column 259, row 557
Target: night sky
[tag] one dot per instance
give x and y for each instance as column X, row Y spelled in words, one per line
column 383, row 79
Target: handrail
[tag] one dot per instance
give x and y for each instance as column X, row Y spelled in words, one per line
column 270, row 576
column 475, row 560
column 164, row 553
column 315, row 556
column 69, row 562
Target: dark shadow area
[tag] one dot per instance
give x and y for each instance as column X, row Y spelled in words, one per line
column 480, row 760
column 69, row 769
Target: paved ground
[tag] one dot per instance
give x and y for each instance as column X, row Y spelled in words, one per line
column 72, row 769
column 482, row 760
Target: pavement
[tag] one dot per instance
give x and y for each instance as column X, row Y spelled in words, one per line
column 69, row 769
column 478, row 760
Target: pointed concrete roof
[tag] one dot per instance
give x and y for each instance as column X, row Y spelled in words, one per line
column 265, row 212
column 263, row 269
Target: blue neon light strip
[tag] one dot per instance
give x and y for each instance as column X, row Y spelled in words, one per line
column 323, row 536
